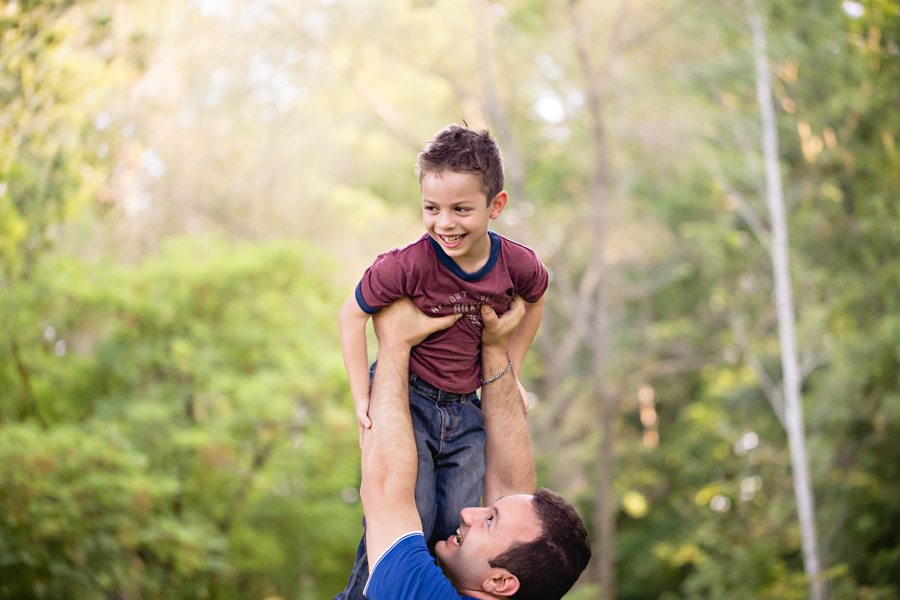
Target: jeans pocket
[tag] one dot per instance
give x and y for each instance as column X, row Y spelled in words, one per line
column 473, row 403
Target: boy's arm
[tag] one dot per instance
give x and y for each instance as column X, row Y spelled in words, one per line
column 525, row 332
column 352, row 323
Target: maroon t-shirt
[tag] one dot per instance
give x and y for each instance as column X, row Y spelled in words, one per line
column 450, row 359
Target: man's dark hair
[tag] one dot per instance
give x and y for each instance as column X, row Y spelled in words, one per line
column 549, row 566
column 464, row 150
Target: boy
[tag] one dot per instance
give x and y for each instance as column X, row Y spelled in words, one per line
column 455, row 267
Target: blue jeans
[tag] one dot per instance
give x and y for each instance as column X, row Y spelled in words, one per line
column 449, row 435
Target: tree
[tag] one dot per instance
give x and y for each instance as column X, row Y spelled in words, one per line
column 779, row 251
column 192, row 413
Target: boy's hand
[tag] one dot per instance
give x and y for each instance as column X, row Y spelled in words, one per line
column 524, row 393
column 498, row 330
column 363, row 421
column 403, row 323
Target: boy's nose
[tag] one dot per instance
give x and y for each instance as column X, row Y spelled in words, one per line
column 445, row 221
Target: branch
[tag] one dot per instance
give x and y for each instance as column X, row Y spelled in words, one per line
column 768, row 386
column 23, row 44
column 744, row 144
column 385, row 112
column 261, row 455
column 747, row 212
column 380, row 107
column 675, row 366
column 576, row 302
column 615, row 40
column 810, row 363
column 560, row 353
column 666, row 19
column 25, row 377
column 647, row 287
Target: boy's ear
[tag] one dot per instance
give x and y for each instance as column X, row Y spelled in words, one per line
column 498, row 204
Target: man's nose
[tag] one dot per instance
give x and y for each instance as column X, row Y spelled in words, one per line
column 470, row 514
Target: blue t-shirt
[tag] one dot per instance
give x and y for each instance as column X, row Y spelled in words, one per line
column 408, row 572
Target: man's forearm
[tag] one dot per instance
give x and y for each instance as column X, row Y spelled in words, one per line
column 389, row 460
column 509, row 467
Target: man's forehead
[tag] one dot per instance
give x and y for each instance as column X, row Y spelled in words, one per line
column 513, row 498
column 517, row 512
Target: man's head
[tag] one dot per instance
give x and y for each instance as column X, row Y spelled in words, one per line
column 464, row 150
column 528, row 547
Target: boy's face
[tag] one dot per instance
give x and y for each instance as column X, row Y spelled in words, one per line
column 456, row 214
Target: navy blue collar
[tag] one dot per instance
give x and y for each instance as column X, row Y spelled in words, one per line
column 457, row 270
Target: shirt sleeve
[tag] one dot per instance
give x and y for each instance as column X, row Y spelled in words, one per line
column 384, row 282
column 408, row 572
column 529, row 275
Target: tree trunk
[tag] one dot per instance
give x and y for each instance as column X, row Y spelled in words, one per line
column 499, row 120
column 512, row 161
column 785, row 306
column 598, row 342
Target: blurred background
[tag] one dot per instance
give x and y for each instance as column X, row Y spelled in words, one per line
column 190, row 188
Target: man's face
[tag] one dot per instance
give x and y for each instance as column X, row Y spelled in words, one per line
column 456, row 215
column 484, row 534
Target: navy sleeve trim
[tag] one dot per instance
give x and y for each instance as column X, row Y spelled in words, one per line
column 362, row 301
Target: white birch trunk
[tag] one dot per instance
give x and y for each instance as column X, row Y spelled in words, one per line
column 785, row 306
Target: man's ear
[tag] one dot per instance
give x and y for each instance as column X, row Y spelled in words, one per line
column 501, row 583
column 498, row 204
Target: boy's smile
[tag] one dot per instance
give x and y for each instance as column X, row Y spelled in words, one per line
column 456, row 214
column 452, row 241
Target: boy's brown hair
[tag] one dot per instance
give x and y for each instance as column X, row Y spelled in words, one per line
column 463, row 150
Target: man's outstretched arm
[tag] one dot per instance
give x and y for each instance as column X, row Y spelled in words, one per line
column 509, row 466
column 389, row 460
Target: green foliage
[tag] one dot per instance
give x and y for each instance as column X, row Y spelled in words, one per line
column 840, row 167
column 51, row 82
column 178, row 429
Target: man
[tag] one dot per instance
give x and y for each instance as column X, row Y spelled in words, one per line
column 522, row 544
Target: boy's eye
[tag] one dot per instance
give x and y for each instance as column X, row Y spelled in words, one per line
column 463, row 209
column 430, row 208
